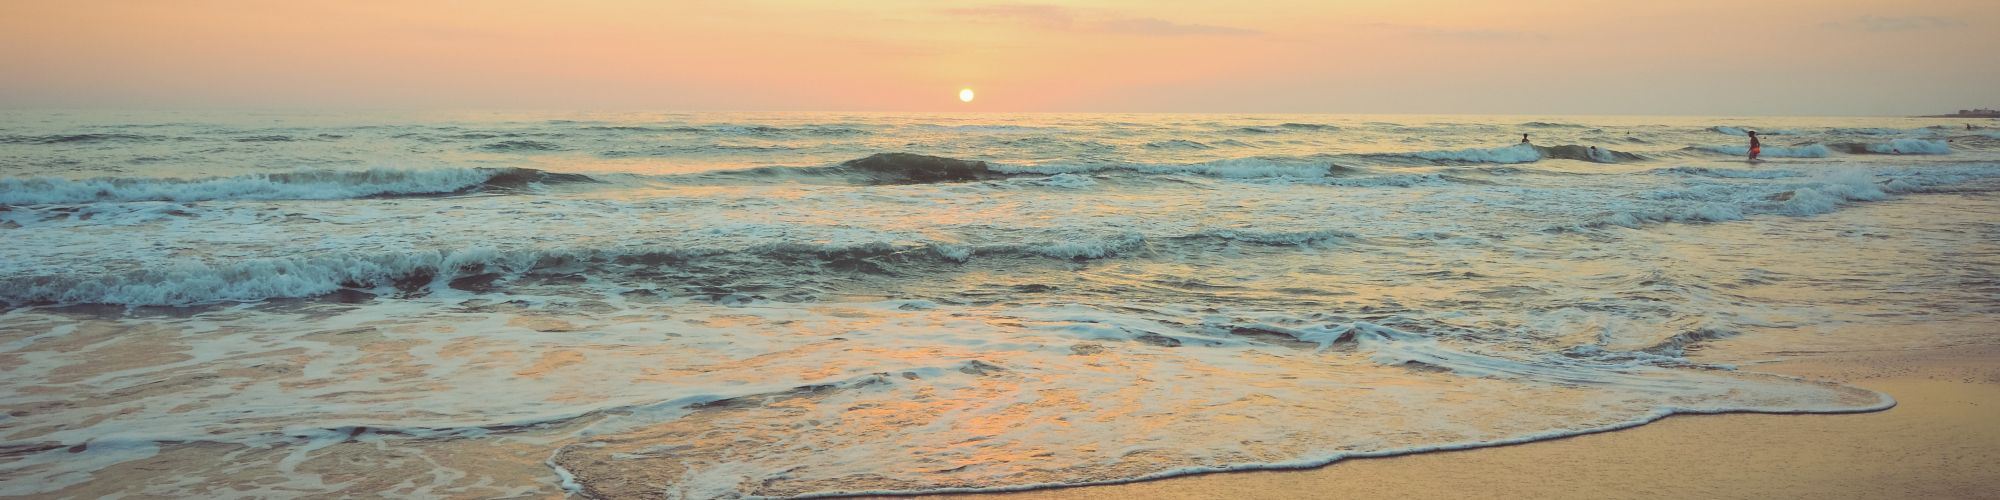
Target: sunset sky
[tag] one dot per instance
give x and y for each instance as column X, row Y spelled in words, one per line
column 1763, row 57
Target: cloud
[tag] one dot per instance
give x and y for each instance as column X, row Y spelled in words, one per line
column 1059, row 18
column 1040, row 16
column 1156, row 27
column 1478, row 35
column 1883, row 24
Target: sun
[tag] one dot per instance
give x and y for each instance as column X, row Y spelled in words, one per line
column 965, row 95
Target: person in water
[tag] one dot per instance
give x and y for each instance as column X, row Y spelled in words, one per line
column 1524, row 138
column 1755, row 147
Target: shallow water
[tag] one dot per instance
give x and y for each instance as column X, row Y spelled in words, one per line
column 716, row 305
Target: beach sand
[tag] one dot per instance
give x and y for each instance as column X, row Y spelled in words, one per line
column 1942, row 440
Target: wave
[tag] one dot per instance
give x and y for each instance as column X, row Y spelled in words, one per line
column 1896, row 147
column 522, row 146
column 1310, row 126
column 1878, row 131
column 411, row 273
column 1235, row 168
column 76, row 138
column 346, row 275
column 1299, row 238
column 673, row 151
column 730, row 129
column 1286, row 127
column 1177, row 144
column 1724, row 173
column 907, row 168
column 1743, row 132
column 301, row 185
column 1518, row 153
column 1805, row 151
column 1405, row 180
column 1587, row 153
column 1823, row 193
column 1066, row 181
column 984, row 129
column 1552, row 125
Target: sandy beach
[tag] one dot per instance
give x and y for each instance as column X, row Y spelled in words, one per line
column 1940, row 441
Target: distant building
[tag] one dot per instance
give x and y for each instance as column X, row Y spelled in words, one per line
column 1971, row 113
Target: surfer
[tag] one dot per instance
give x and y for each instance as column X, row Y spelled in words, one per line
column 1524, row 138
column 1593, row 153
column 1755, row 147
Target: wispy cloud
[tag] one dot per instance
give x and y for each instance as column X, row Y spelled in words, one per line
column 1040, row 16
column 1156, row 27
column 1059, row 18
column 1478, row 35
column 1883, row 24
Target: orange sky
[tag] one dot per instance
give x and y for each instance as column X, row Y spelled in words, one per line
column 1354, row 56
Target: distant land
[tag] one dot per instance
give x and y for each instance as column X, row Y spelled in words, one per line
column 1969, row 113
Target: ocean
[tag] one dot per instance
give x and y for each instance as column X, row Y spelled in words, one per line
column 717, row 305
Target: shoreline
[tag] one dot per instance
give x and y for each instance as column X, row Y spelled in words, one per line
column 1943, row 396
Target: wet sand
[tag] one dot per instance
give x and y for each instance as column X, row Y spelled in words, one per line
column 1942, row 440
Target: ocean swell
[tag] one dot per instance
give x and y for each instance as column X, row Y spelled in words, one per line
column 479, row 269
column 300, row 185
column 1896, row 147
column 1803, row 151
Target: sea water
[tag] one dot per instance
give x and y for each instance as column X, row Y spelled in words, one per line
column 718, row 305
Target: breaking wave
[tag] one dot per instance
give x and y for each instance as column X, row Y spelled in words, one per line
column 1819, row 194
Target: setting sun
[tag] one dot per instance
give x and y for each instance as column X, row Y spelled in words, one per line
column 965, row 95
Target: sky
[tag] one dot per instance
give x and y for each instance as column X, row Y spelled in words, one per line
column 1705, row 57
